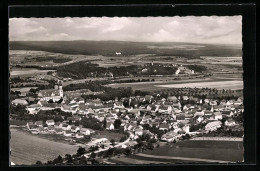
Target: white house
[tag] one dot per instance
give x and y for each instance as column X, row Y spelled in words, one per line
column 33, row 109
column 213, row 126
column 110, row 126
column 50, row 122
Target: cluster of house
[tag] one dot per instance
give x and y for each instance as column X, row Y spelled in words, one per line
column 173, row 113
column 61, row 128
column 180, row 68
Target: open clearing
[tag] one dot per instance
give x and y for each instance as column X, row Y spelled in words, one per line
column 233, row 85
column 218, row 83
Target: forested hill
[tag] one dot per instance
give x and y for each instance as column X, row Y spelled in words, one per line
column 108, row 48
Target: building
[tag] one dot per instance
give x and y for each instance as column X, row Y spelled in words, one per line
column 212, row 126
column 55, row 94
column 20, row 102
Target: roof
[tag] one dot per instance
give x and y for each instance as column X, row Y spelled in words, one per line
column 164, row 125
column 49, row 92
column 38, row 123
column 51, row 105
column 20, row 101
column 51, row 120
column 34, row 106
column 217, row 113
column 213, row 124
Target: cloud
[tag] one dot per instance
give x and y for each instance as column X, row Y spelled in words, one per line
column 205, row 29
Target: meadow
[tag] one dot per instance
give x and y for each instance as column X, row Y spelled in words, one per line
column 26, row 148
column 188, row 152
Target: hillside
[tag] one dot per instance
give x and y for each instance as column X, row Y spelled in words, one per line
column 108, row 48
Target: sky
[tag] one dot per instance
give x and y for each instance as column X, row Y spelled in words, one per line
column 204, row 29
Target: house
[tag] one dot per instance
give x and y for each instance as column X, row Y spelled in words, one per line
column 169, row 136
column 119, row 105
column 199, row 113
column 180, row 117
column 217, row 115
column 85, row 131
column 65, row 108
column 39, row 123
column 33, row 109
column 51, row 129
column 50, row 106
column 138, row 132
column 50, row 122
column 230, row 122
column 58, row 131
column 79, row 135
column 186, row 128
column 110, row 126
column 151, row 107
column 67, row 133
column 185, row 98
column 148, row 98
column 212, row 126
column 165, row 109
column 163, row 126
column 74, row 128
column 207, row 112
column 199, row 119
column 30, row 126
column 213, row 103
column 172, row 99
column 227, row 113
column 20, row 102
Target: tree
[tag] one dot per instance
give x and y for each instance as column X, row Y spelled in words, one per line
column 83, row 160
column 117, row 123
column 105, row 123
column 93, row 155
column 81, row 150
column 150, row 146
column 128, row 151
column 68, row 158
column 38, row 163
column 57, row 160
column 50, row 101
column 122, row 139
column 112, row 142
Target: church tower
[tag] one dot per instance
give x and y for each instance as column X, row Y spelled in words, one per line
column 60, row 88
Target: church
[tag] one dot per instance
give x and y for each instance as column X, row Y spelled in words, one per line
column 55, row 94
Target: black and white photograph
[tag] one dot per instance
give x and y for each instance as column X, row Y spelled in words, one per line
column 126, row 90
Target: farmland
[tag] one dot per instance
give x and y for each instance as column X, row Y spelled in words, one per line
column 27, row 148
column 219, row 83
column 188, row 152
column 233, row 85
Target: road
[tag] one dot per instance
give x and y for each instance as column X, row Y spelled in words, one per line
column 104, row 149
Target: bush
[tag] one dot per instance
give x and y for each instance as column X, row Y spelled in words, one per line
column 122, row 139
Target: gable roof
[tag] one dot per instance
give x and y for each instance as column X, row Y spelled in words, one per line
column 49, row 92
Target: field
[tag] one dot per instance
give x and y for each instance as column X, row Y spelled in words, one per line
column 188, row 152
column 26, row 149
column 219, row 83
column 108, row 134
column 233, row 85
column 28, row 72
